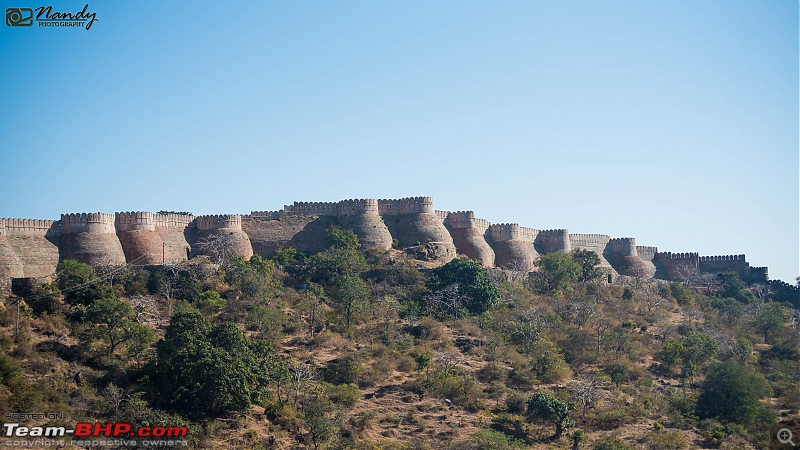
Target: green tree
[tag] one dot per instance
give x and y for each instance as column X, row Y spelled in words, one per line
column 114, row 322
column 770, row 319
column 733, row 286
column 352, row 297
column 590, row 265
column 556, row 272
column 732, row 392
column 80, row 284
column 478, row 292
column 547, row 407
column 203, row 370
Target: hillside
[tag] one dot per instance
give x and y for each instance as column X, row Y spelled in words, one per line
column 375, row 349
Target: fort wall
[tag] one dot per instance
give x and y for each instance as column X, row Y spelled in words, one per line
column 140, row 242
column 90, row 238
column 221, row 230
column 676, row 266
column 553, row 241
column 32, row 248
column 513, row 246
column 648, row 254
column 724, row 263
column 592, row 242
column 624, row 258
column 469, row 235
column 413, row 222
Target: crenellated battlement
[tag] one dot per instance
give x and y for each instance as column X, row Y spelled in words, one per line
column 669, row 256
column 172, row 220
column 270, row 215
column 313, row 208
column 722, row 258
column 340, row 208
column 358, row 206
column 549, row 241
column 501, row 232
column 219, row 221
column 409, row 205
column 622, row 247
column 29, row 227
column 442, row 215
column 135, row 221
column 589, row 240
column 646, row 253
column 88, row 223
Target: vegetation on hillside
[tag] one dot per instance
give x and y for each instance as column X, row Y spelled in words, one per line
column 343, row 349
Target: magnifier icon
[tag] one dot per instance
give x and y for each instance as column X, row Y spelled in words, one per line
column 785, row 436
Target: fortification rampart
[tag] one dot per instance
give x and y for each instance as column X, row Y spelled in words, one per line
column 90, row 238
column 88, row 223
column 31, row 248
column 172, row 220
column 219, row 221
column 30, row 228
column 501, row 232
column 135, row 221
column 467, row 219
column 553, row 241
column 410, row 205
column 266, row 215
column 621, row 247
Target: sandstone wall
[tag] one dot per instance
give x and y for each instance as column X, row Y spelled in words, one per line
column 305, row 233
column 30, row 245
column 224, row 230
column 592, row 242
column 648, row 255
column 624, row 258
column 469, row 235
column 553, row 241
column 90, row 238
column 514, row 246
column 675, row 266
column 413, row 222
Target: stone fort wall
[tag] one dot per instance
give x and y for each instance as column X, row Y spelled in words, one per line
column 32, row 248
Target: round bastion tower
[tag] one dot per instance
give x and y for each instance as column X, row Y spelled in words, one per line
column 413, row 222
column 361, row 216
column 136, row 232
column 513, row 246
column 222, row 235
column 469, row 236
column 90, row 238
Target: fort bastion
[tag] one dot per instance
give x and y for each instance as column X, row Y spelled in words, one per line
column 31, row 248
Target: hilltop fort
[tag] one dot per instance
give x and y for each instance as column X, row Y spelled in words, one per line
column 32, row 248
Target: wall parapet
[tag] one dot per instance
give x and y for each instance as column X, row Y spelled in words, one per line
column 270, row 215
column 135, row 221
column 501, row 232
column 646, row 253
column 29, row 227
column 408, row 205
column 622, row 246
column 589, row 240
column 88, row 223
column 172, row 220
column 341, row 208
column 722, row 258
column 219, row 221
column 669, row 256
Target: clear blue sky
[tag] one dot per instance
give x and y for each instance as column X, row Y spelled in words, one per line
column 672, row 122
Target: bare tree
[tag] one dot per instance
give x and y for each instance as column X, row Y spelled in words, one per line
column 448, row 301
column 302, row 375
column 219, row 248
column 586, row 391
column 448, row 361
column 602, row 324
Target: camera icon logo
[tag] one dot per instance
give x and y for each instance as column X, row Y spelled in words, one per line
column 19, row 17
